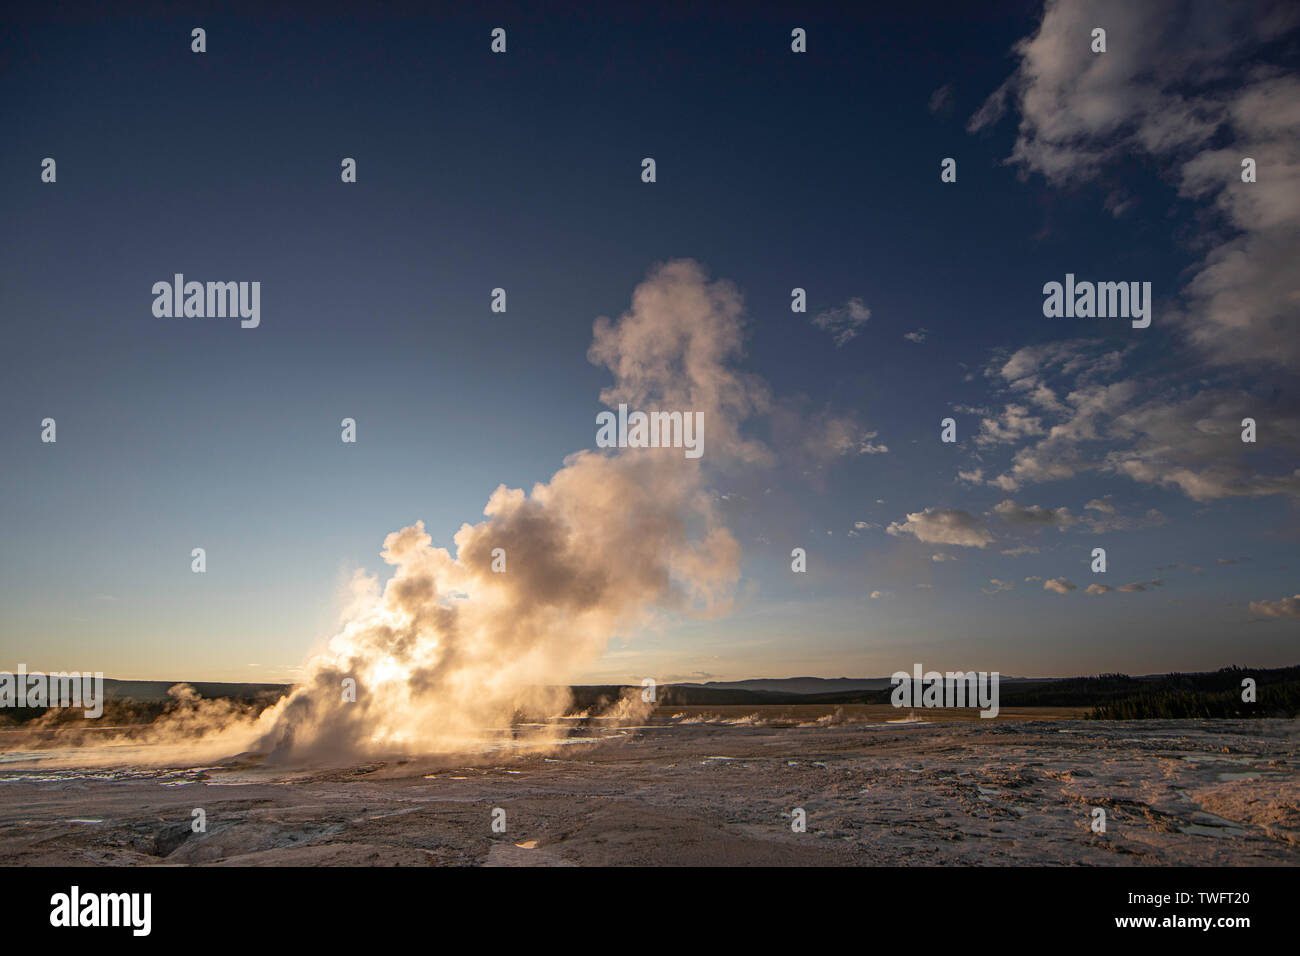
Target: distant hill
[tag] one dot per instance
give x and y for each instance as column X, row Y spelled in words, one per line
column 795, row 685
column 828, row 685
column 1206, row 693
column 1209, row 694
column 156, row 690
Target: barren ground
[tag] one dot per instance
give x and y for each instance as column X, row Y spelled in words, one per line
column 715, row 792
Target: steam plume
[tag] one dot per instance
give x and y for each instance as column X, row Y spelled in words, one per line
column 450, row 649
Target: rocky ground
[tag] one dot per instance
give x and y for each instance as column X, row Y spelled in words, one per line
column 713, row 792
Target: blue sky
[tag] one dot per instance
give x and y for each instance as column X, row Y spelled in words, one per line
column 775, row 170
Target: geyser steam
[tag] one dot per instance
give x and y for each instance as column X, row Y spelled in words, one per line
column 451, row 651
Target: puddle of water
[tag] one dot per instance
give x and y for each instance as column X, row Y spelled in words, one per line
column 1204, row 823
column 1217, row 758
column 166, row 776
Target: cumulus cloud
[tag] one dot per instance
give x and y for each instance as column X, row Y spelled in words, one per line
column 1154, row 432
column 844, row 322
column 1015, row 423
column 1107, row 523
column 1136, row 587
column 937, row 526
column 1286, row 607
column 1139, row 586
column 997, row 586
column 918, row 336
column 1193, row 443
column 1059, row 585
column 1034, row 516
column 1158, row 93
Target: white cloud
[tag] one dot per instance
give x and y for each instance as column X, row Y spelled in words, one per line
column 1286, row 607
column 1134, row 588
column 1139, row 586
column 934, row 526
column 1158, row 94
column 1014, row 424
column 1034, row 516
column 1153, row 518
column 843, row 322
column 1153, row 432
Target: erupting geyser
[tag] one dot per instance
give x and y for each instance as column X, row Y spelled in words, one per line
column 450, row 650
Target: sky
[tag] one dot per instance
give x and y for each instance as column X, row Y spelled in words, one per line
column 774, row 170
